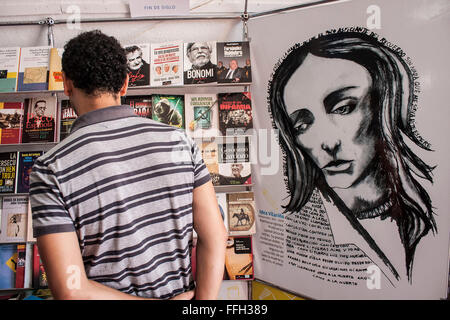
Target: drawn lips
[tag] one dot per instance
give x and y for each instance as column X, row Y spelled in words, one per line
column 338, row 166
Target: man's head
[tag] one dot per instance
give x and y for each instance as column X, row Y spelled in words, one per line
column 233, row 64
column 40, row 107
column 134, row 57
column 95, row 63
column 199, row 53
column 236, row 169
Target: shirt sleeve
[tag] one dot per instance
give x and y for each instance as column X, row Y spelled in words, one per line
column 47, row 204
column 201, row 173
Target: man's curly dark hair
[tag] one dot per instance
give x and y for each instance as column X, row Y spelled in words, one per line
column 95, row 62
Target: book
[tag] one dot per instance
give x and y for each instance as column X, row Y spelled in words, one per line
column 233, row 62
column 200, row 62
column 14, row 219
column 8, row 170
column 8, row 261
column 20, row 266
column 223, row 207
column 25, row 164
column 202, row 115
column 234, row 161
column 39, row 120
column 68, row 117
column 33, row 68
column 233, row 290
column 166, row 63
column 241, row 213
column 138, row 66
column 11, row 118
column 239, row 258
column 142, row 105
column 209, row 151
column 235, row 113
column 39, row 280
column 168, row 109
column 55, row 80
column 9, row 68
column 30, row 235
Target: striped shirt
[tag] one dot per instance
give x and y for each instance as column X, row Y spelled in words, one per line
column 124, row 184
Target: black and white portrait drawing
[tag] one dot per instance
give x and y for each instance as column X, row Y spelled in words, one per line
column 343, row 104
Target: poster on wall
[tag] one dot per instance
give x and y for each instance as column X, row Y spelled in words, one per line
column 354, row 205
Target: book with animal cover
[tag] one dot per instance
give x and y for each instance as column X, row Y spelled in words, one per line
column 223, row 207
column 241, row 213
column 138, row 64
column 33, row 68
column 239, row 258
column 235, row 113
column 55, row 80
column 234, row 161
column 14, row 219
column 9, row 68
column 233, row 62
column 39, row 280
column 202, row 115
column 168, row 109
column 8, row 261
column 25, row 164
column 142, row 105
column 11, row 118
column 8, row 170
column 166, row 64
column 68, row 117
column 200, row 62
column 39, row 120
column 20, row 266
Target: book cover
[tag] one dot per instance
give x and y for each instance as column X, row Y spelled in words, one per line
column 39, row 275
column 55, row 80
column 33, row 68
column 14, row 218
column 202, row 115
column 138, row 58
column 234, row 161
column 166, row 63
column 8, row 261
column 142, row 105
column 68, row 117
column 241, row 213
column 200, row 62
column 8, row 169
column 210, row 156
column 25, row 164
column 233, row 62
column 239, row 258
column 223, row 207
column 168, row 109
column 39, row 120
column 235, row 113
column 233, row 290
column 30, row 237
column 9, row 68
column 11, row 118
column 20, row 266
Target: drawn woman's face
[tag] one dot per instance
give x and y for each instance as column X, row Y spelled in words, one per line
column 328, row 103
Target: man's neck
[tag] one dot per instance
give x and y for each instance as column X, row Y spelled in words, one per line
column 84, row 103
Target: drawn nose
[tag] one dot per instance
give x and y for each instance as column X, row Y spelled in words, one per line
column 331, row 148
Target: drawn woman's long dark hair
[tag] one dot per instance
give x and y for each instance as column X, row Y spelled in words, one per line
column 392, row 98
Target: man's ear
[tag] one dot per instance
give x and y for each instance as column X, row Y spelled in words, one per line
column 123, row 90
column 68, row 85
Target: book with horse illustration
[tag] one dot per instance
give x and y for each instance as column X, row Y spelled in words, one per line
column 241, row 213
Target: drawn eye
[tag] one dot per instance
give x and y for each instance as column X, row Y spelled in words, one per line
column 301, row 127
column 302, row 119
column 344, row 108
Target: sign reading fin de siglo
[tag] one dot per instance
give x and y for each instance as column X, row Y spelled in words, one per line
column 158, row 8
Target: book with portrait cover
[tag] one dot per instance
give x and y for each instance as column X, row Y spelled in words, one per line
column 233, row 62
column 11, row 117
column 33, row 68
column 166, row 64
column 9, row 68
column 241, row 213
column 138, row 64
column 68, row 117
column 235, row 113
column 200, row 62
column 239, row 258
column 25, row 164
column 234, row 161
column 39, row 120
column 209, row 150
column 55, row 81
column 142, row 105
column 14, row 219
column 168, row 109
column 8, row 260
column 8, row 171
column 202, row 116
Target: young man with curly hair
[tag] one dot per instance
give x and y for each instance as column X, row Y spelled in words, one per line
column 116, row 202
